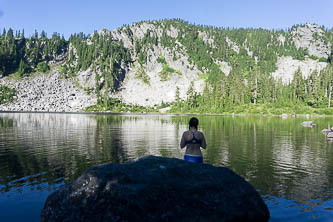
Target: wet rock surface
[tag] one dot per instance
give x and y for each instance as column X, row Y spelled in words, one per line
column 327, row 130
column 156, row 189
column 330, row 135
column 308, row 124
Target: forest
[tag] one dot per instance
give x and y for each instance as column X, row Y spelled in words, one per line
column 248, row 88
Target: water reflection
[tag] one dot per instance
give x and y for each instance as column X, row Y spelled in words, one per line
column 155, row 135
column 52, row 148
column 291, row 166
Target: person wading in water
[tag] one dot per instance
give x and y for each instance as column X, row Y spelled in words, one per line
column 193, row 140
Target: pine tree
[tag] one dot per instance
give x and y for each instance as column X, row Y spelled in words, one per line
column 21, row 69
column 10, row 34
column 298, row 84
column 330, row 85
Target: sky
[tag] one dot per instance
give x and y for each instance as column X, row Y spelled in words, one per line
column 73, row 16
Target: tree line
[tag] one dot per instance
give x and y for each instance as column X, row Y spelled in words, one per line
column 21, row 55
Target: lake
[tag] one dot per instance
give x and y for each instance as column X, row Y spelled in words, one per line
column 291, row 166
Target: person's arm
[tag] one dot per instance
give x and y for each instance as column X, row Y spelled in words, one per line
column 183, row 141
column 203, row 141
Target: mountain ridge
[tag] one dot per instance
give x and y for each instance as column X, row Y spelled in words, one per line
column 150, row 63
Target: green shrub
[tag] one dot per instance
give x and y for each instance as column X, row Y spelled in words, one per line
column 142, row 75
column 43, row 67
column 166, row 72
column 161, row 59
column 116, row 105
column 6, row 94
column 323, row 60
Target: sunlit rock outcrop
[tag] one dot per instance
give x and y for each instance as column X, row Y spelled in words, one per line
column 287, row 66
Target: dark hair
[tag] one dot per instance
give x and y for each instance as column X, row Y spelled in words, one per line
column 194, row 122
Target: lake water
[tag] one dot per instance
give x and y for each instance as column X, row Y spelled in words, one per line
column 291, row 166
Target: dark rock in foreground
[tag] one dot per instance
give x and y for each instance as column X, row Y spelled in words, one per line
column 156, row 189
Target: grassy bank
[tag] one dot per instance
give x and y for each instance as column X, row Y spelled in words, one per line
column 116, row 106
column 271, row 109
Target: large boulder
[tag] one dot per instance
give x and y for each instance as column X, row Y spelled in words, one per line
column 156, row 189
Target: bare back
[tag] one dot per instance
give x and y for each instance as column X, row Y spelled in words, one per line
column 193, row 148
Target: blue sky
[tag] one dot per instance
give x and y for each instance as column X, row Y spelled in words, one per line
column 73, row 16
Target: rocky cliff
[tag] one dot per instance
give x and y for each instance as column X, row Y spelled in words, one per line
column 312, row 38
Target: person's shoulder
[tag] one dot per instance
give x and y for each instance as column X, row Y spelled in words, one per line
column 201, row 133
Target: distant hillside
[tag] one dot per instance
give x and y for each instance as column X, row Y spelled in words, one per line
column 173, row 63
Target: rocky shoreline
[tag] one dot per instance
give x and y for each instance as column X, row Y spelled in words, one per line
column 47, row 93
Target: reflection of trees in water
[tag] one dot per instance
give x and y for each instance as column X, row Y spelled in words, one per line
column 38, row 148
column 300, row 161
column 150, row 135
column 5, row 123
column 279, row 157
column 108, row 139
column 52, row 148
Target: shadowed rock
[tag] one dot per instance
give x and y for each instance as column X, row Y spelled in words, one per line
column 156, row 189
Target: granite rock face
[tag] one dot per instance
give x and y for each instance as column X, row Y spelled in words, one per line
column 156, row 189
column 287, row 66
column 311, row 37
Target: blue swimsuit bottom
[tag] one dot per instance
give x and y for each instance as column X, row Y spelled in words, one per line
column 193, row 159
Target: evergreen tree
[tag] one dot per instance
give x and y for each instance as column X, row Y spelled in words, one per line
column 21, row 69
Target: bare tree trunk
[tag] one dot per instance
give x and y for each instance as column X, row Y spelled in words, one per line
column 254, row 136
column 329, row 97
column 255, row 92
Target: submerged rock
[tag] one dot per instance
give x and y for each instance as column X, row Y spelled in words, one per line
column 326, row 130
column 330, row 135
column 156, row 189
column 284, row 116
column 308, row 124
